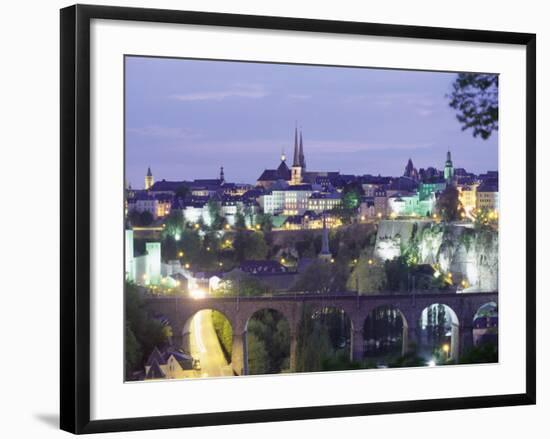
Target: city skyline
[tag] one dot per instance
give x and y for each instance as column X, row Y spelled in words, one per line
column 187, row 118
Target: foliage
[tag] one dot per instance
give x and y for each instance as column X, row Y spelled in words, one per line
column 244, row 285
column 217, row 220
column 132, row 352
column 140, row 219
column 448, row 204
column 484, row 353
column 240, row 220
column 249, row 246
column 485, row 219
column 313, row 343
column 397, row 274
column 368, row 275
column 316, row 278
column 384, row 326
column 142, row 333
column 268, row 337
column 475, row 97
column 410, row 359
column 340, row 361
column 174, row 224
column 265, row 221
column 224, row 332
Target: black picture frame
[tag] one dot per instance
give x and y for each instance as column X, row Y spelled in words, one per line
column 75, row 217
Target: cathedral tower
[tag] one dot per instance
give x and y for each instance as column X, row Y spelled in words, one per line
column 149, row 180
column 299, row 162
column 449, row 171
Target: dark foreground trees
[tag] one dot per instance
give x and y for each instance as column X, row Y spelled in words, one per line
column 475, row 98
column 142, row 332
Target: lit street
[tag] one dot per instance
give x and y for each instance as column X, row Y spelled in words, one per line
column 206, row 347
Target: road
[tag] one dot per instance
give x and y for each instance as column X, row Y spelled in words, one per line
column 206, row 347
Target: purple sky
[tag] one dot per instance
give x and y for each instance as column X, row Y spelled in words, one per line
column 186, row 118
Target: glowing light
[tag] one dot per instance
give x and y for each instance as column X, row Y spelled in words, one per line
column 283, row 260
column 177, row 236
column 431, row 363
column 187, row 266
column 370, row 261
column 180, row 254
column 197, row 225
column 332, row 261
column 257, row 227
column 446, row 348
column 197, row 293
column 220, row 264
column 379, row 214
column 362, row 217
column 227, row 227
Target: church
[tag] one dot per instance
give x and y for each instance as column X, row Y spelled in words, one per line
column 297, row 174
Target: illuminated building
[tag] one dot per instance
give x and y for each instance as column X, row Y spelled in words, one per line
column 448, row 172
column 321, row 202
column 467, row 195
column 149, row 180
column 487, row 196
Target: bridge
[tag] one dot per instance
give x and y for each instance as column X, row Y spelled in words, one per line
column 179, row 310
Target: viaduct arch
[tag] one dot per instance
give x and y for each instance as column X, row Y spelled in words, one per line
column 238, row 310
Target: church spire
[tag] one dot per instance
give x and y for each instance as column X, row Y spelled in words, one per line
column 222, row 175
column 296, row 161
column 149, row 180
column 302, row 158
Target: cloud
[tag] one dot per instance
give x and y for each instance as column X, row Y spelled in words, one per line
column 238, row 91
column 332, row 146
column 165, row 132
column 299, row 96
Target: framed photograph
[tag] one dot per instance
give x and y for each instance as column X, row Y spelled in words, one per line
column 268, row 219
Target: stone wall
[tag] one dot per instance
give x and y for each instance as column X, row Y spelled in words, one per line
column 469, row 254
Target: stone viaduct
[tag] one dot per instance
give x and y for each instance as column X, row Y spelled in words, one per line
column 179, row 310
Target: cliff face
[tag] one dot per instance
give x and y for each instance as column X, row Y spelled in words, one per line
column 470, row 255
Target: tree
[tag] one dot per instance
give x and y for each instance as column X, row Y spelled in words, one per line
column 137, row 218
column 174, row 224
column 313, row 343
column 448, row 204
column 142, row 333
column 146, row 218
column 368, row 276
column 317, row 278
column 269, row 329
column 249, row 246
column 475, row 97
column 132, row 352
column 240, row 220
column 217, row 221
column 266, row 222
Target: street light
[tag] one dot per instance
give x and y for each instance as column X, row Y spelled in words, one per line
column 446, row 349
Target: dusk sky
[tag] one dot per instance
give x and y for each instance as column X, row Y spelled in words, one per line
column 186, row 118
